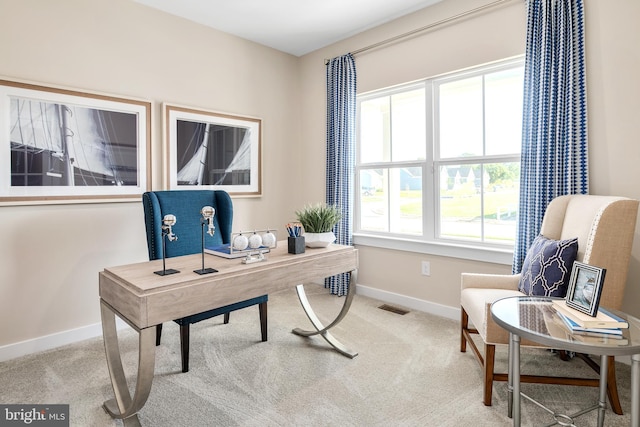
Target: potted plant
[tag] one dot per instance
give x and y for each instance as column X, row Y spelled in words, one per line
column 318, row 221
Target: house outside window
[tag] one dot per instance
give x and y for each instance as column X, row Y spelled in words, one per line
column 438, row 161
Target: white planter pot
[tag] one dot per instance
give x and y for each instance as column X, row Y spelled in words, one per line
column 319, row 240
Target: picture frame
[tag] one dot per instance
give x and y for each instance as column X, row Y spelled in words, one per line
column 585, row 288
column 68, row 146
column 212, row 150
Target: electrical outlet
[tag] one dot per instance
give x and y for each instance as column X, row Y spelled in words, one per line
column 426, row 268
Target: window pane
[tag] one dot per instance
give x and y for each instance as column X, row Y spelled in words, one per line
column 375, row 130
column 405, row 200
column 460, row 202
column 408, row 126
column 460, row 118
column 374, row 212
column 503, row 111
column 501, row 197
column 391, row 200
column 479, row 202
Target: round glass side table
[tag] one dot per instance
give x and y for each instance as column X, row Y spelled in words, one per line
column 535, row 319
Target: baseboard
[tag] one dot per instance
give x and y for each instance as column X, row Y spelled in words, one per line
column 409, row 302
column 47, row 342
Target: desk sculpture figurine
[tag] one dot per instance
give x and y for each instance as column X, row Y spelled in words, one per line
column 207, row 218
column 167, row 222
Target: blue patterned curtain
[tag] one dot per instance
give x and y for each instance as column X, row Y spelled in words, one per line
column 554, row 127
column 341, row 135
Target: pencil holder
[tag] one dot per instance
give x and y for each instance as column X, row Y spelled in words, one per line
column 296, row 245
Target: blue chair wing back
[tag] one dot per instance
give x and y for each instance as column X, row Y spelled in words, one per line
column 186, row 206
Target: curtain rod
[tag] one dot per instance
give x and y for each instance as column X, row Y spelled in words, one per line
column 426, row 27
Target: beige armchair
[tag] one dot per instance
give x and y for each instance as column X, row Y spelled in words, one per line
column 604, row 227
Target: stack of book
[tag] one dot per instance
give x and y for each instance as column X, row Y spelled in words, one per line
column 604, row 326
column 226, row 251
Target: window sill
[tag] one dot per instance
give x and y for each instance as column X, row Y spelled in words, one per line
column 462, row 251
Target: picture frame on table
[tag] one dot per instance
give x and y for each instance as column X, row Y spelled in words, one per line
column 61, row 145
column 585, row 288
column 212, row 150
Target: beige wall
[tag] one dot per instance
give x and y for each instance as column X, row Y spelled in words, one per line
column 613, row 74
column 51, row 253
column 613, row 66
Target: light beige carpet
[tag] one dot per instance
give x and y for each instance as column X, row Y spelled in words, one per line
column 409, row 372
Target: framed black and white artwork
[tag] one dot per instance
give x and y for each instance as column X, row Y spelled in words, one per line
column 212, row 150
column 67, row 146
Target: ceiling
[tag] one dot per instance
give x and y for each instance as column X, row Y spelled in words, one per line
column 293, row 26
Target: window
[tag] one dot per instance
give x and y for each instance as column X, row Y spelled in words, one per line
column 439, row 160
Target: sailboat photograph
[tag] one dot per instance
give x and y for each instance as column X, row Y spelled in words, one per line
column 214, row 150
column 210, row 154
column 62, row 144
column 67, row 145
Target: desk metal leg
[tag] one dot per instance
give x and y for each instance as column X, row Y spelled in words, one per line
column 123, row 407
column 515, row 368
column 635, row 390
column 322, row 330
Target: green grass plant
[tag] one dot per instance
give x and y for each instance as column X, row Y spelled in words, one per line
column 318, row 218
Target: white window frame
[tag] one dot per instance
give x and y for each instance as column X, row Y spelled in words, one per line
column 428, row 243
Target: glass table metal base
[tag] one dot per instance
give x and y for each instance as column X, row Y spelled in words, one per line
column 558, row 418
column 535, row 319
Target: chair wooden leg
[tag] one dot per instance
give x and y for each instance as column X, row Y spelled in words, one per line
column 226, row 317
column 464, row 324
column 262, row 307
column 612, row 386
column 489, row 361
column 184, row 346
column 158, row 333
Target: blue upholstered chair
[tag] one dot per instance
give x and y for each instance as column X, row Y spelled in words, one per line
column 186, row 206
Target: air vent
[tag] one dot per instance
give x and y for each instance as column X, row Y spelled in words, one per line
column 393, row 309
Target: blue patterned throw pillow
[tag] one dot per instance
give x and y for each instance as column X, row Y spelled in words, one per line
column 547, row 267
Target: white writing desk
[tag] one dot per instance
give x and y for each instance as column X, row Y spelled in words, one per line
column 144, row 299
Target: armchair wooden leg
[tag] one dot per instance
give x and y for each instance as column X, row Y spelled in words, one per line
column 226, row 317
column 489, row 361
column 262, row 307
column 184, row 346
column 464, row 324
column 158, row 333
column 612, row 386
